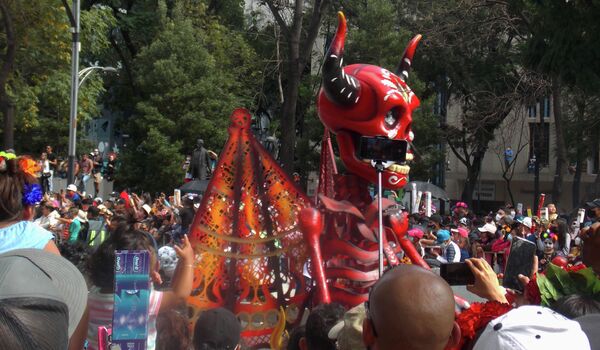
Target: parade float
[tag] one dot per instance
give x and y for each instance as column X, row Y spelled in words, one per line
column 267, row 251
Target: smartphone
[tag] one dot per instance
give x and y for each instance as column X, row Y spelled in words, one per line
column 580, row 217
column 382, row 149
column 457, row 274
column 520, row 261
column 104, row 338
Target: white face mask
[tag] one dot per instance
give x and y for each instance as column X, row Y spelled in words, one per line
column 498, row 217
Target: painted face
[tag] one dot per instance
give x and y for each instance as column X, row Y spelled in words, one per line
column 366, row 100
column 548, row 246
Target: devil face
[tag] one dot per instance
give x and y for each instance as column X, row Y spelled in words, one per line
column 365, row 100
column 384, row 108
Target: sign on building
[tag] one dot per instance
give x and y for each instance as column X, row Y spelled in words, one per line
column 485, row 191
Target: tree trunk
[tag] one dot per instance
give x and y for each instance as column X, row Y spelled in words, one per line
column 561, row 151
column 6, row 105
column 299, row 53
column 473, row 173
column 8, row 110
column 579, row 150
column 288, row 119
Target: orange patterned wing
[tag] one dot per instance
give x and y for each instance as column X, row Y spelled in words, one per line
column 250, row 252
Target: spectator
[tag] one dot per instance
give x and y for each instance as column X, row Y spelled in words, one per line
column 576, row 305
column 450, row 250
column 173, row 331
column 591, row 247
column 348, row 332
column 20, row 193
column 187, row 214
column 532, row 327
column 594, row 209
column 100, row 299
column 96, row 170
column 49, row 218
column 111, row 166
column 45, row 172
column 72, row 194
column 53, row 162
column 97, row 231
column 43, row 298
column 86, row 166
column 217, row 329
column 413, row 307
column 320, row 321
column 294, row 339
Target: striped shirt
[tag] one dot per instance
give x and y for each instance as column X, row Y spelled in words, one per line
column 101, row 312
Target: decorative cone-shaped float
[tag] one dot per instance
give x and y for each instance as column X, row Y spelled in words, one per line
column 250, row 251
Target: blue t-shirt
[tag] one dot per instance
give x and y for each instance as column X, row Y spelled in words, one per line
column 23, row 234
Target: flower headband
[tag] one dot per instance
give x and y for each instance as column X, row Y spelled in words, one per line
column 32, row 193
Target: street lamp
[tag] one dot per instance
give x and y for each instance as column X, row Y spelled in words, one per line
column 81, row 77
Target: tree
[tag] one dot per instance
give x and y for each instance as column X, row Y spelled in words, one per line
column 39, row 83
column 511, row 134
column 469, row 53
column 564, row 46
column 189, row 79
column 298, row 53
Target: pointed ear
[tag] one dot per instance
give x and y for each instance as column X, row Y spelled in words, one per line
column 454, row 339
column 367, row 334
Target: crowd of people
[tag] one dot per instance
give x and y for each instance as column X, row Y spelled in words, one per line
column 57, row 254
column 462, row 235
column 93, row 166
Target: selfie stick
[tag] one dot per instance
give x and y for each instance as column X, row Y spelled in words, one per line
column 379, row 170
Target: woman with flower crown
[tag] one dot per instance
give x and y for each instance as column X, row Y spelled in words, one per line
column 19, row 193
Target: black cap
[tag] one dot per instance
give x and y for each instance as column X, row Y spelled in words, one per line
column 594, row 204
column 218, row 328
column 435, row 218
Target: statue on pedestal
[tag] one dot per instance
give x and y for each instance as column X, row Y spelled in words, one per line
column 200, row 163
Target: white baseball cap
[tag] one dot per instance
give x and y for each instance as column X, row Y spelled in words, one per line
column 72, row 187
column 532, row 327
column 489, row 227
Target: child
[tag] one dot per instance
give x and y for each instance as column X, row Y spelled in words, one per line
column 100, row 300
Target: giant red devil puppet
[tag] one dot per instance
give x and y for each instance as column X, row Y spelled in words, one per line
column 359, row 100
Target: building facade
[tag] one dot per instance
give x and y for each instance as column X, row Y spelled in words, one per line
column 514, row 144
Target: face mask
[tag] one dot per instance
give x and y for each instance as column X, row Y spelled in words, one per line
column 498, row 217
column 512, row 214
column 577, row 241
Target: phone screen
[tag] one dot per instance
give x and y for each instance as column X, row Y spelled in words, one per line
column 382, row 149
column 457, row 274
column 520, row 261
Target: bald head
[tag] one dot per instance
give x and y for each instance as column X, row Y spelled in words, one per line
column 411, row 308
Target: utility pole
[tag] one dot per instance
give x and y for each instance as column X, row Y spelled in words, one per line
column 75, row 29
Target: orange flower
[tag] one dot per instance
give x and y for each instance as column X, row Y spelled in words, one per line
column 29, row 166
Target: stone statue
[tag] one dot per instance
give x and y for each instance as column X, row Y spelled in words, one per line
column 200, row 164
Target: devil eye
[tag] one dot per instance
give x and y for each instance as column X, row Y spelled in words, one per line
column 391, row 118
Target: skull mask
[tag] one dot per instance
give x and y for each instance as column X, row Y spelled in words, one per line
column 366, row 100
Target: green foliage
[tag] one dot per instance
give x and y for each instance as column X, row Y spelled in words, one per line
column 557, row 283
column 190, row 78
column 40, row 85
column 564, row 41
column 154, row 164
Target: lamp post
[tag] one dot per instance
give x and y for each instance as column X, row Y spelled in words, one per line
column 76, row 84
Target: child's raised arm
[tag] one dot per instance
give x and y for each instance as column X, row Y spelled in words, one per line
column 183, row 278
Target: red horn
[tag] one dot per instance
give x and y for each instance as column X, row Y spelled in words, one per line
column 406, row 62
column 339, row 87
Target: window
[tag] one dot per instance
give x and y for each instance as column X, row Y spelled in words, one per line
column 532, row 111
column 545, row 107
column 539, row 142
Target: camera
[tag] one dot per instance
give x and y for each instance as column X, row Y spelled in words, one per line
column 382, row 149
